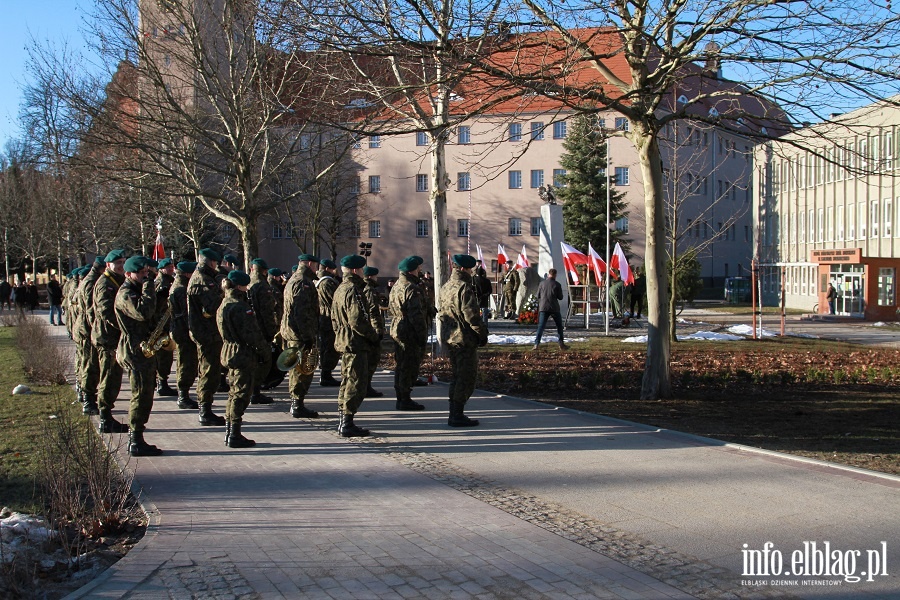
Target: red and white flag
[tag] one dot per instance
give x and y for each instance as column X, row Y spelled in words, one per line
column 502, row 257
column 522, row 260
column 159, row 251
column 480, row 255
column 572, row 257
column 597, row 264
column 619, row 262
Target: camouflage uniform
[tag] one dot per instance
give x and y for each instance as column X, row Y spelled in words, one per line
column 134, row 308
column 278, row 294
column 204, row 297
column 243, row 348
column 355, row 333
column 164, row 358
column 374, row 298
column 299, row 328
column 510, row 289
column 71, row 282
column 186, row 367
column 411, row 316
column 328, row 356
column 262, row 301
column 461, row 319
column 88, row 367
column 105, row 336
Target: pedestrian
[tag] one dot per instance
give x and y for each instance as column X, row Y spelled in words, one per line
column 55, row 300
column 830, row 296
column 300, row 328
column 5, row 294
column 243, row 349
column 204, row 297
column 20, row 298
column 638, row 291
column 411, row 317
column 105, row 334
column 548, row 296
column 461, row 319
column 32, row 295
column 135, row 308
column 327, row 282
column 355, row 334
column 186, row 347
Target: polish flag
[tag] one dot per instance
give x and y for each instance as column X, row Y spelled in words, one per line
column 159, row 251
column 502, row 257
column 597, row 264
column 572, row 257
column 480, row 255
column 619, row 262
column 522, row 260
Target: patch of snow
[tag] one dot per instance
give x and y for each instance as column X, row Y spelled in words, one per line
column 748, row 330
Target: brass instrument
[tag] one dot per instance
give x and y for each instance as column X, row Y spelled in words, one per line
column 159, row 339
column 304, row 362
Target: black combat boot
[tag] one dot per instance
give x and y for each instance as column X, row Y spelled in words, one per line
column 328, row 380
column 208, row 417
column 236, row 440
column 259, row 398
column 186, row 402
column 458, row 419
column 89, row 404
column 346, row 428
column 373, row 393
column 109, row 425
column 163, row 389
column 138, row 447
column 405, row 402
column 298, row 411
column 420, row 382
column 227, row 431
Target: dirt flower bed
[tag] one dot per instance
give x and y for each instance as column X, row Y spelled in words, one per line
column 832, row 402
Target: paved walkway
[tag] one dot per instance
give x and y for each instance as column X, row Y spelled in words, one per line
column 538, row 502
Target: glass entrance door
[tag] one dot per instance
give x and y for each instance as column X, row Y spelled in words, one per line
column 849, row 282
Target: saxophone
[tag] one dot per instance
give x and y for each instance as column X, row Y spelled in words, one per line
column 159, row 338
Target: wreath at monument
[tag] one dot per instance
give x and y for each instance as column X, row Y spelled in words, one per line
column 528, row 314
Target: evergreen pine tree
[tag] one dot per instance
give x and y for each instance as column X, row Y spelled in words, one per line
column 584, row 196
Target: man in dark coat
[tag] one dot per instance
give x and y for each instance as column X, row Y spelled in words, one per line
column 548, row 296
column 55, row 299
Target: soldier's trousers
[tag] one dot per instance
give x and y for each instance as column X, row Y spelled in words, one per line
column 373, row 360
column 464, row 363
column 164, row 360
column 210, row 371
column 409, row 359
column 261, row 371
column 88, row 367
column 354, row 383
column 299, row 384
column 240, row 382
column 110, row 379
column 328, row 356
column 143, row 385
column 186, row 367
column 510, row 297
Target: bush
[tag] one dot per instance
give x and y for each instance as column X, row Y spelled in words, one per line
column 43, row 359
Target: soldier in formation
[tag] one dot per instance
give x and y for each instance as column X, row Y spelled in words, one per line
column 374, row 296
column 300, row 328
column 461, row 318
column 105, row 336
column 186, row 366
column 262, row 301
column 510, row 289
column 276, row 281
column 411, row 316
column 88, row 363
column 165, row 277
column 356, row 332
column 204, row 297
column 326, row 284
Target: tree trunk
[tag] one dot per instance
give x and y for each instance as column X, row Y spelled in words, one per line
column 249, row 238
column 656, row 382
column 674, row 291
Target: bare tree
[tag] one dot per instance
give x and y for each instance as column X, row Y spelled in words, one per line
column 793, row 59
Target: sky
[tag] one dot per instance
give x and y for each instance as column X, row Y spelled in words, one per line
column 27, row 20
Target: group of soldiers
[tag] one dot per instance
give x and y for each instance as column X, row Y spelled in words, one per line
column 138, row 314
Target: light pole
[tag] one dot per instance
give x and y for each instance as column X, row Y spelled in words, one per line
column 606, row 312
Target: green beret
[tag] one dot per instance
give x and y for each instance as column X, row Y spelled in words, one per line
column 309, row 257
column 276, row 272
column 410, row 263
column 328, row 263
column 294, row 269
column 164, row 263
column 135, row 264
column 230, row 258
column 239, row 278
column 418, row 259
column 84, row 270
column 187, row 266
column 210, row 254
column 149, row 262
column 260, row 263
column 100, row 260
column 370, row 271
column 353, row 261
column 114, row 255
column 464, row 260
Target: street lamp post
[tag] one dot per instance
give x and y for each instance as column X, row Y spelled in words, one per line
column 365, row 250
column 606, row 312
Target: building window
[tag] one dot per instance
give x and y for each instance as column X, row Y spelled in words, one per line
column 537, row 178
column 515, row 180
column 622, row 225
column 536, row 223
column 305, row 141
column 355, row 229
column 861, row 220
column 559, row 178
column 463, row 134
column 621, row 123
column 463, row 182
column 354, row 186
column 421, row 183
column 887, row 221
column 840, row 223
column 277, row 231
column 873, row 219
column 621, row 175
column 374, row 141
column 421, row 138
column 537, row 130
column 820, row 220
column 515, row 132
column 515, row 227
column 374, row 184
column 559, row 130
column 462, row 227
column 421, row 228
column 374, row 229
column 886, row 294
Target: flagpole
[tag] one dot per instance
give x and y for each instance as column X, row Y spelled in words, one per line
column 606, row 313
